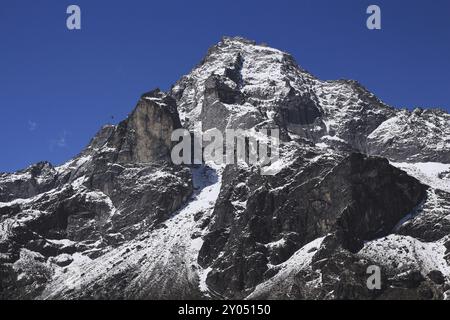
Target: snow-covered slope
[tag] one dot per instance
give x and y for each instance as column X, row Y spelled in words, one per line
column 406, row 253
column 434, row 174
column 287, row 271
column 159, row 264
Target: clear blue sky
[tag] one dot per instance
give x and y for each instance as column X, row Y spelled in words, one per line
column 58, row 87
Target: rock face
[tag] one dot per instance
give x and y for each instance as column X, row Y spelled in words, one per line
column 37, row 179
column 358, row 184
column 357, row 198
column 418, row 136
column 121, row 185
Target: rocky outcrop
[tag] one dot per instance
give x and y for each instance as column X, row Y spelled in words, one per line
column 24, row 184
column 418, row 136
column 144, row 137
column 263, row 221
column 121, row 185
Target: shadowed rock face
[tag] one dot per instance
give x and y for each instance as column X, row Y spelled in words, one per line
column 121, row 221
column 37, row 179
column 358, row 198
column 380, row 196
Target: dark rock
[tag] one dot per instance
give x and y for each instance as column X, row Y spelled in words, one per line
column 410, row 279
column 196, row 235
column 363, row 199
column 436, row 276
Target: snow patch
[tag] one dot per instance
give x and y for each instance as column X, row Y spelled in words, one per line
column 299, row 260
column 405, row 253
column 428, row 173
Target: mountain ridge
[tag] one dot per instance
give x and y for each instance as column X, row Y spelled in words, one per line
column 121, row 221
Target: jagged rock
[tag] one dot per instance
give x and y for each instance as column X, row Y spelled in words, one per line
column 437, row 277
column 418, row 136
column 410, row 279
column 63, row 260
column 361, row 198
column 121, row 184
column 27, row 183
column 429, row 222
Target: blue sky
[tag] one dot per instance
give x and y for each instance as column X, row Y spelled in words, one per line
column 58, row 87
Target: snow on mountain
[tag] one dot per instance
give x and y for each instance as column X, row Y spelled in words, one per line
column 255, row 70
column 406, row 253
column 434, row 174
column 289, row 269
column 418, row 136
column 157, row 259
column 121, row 221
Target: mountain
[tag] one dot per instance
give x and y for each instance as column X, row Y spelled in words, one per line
column 358, row 184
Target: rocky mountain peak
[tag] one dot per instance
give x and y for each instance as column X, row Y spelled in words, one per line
column 358, row 184
column 240, row 84
column 245, row 82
